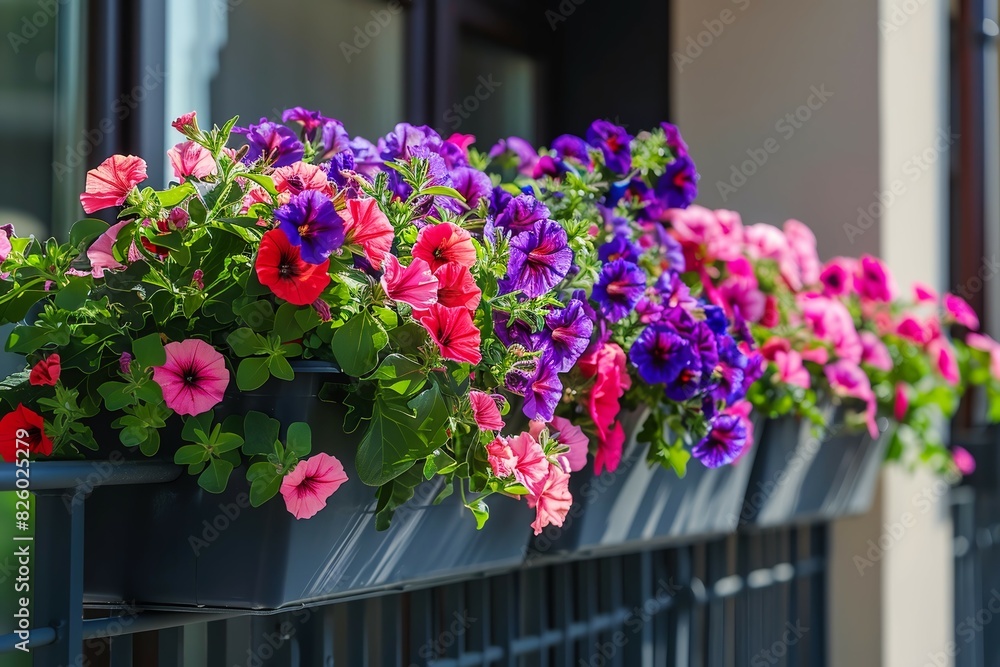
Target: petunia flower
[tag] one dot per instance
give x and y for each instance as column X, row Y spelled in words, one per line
column 453, row 331
column 963, row 460
column 275, row 144
column 943, row 356
column 726, row 439
column 790, row 369
column 310, row 221
column 607, row 364
column 551, row 500
column 472, row 184
column 46, row 372
column 986, row 344
column 185, row 123
column 101, row 251
column 678, row 186
column 22, row 428
column 191, row 159
column 530, row 465
column 299, row 177
column 194, row 377
column 366, row 225
column 280, row 267
column 614, row 143
column 307, row 488
column 539, row 259
column 544, row 392
column 521, row 213
column 660, row 354
column 414, row 284
column 924, row 293
column 802, row 244
column 874, row 352
column 675, row 141
column 873, row 280
column 457, row 287
column 569, row 146
column 500, row 457
column 567, row 333
column 485, row 411
column 309, row 120
column 960, row 311
column 442, row 243
column 901, row 401
column 573, row 439
column 618, row 289
column 109, row 184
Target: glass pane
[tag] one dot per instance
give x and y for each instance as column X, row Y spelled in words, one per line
column 497, row 89
column 27, row 104
column 343, row 57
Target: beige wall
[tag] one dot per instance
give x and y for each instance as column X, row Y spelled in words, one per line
column 882, row 135
column 765, row 61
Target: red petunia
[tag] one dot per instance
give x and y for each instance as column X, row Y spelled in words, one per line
column 454, row 332
column 46, row 372
column 366, row 225
column 442, row 243
column 109, row 184
column 280, row 267
column 457, row 287
column 25, row 428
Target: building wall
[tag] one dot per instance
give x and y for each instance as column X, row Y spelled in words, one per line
column 866, row 169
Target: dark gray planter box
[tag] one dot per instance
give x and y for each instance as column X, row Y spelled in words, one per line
column 174, row 545
column 799, row 478
column 638, row 507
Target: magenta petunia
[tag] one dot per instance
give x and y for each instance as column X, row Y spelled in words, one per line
column 485, row 411
column 194, row 377
column 414, row 284
column 307, row 488
column 110, row 182
column 574, row 439
column 960, row 311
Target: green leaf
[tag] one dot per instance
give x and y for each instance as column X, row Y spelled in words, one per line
column 443, row 191
column 263, row 489
column 400, row 374
column 227, row 442
column 356, row 344
column 74, row 295
column 481, row 511
column 394, row 494
column 190, row 454
column 114, row 395
column 175, row 195
column 280, row 368
column 216, row 476
column 86, row 230
column 260, row 433
column 246, row 342
column 151, row 444
column 299, row 439
column 392, row 443
column 149, row 351
column 263, row 181
column 192, row 425
column 258, row 314
column 252, row 373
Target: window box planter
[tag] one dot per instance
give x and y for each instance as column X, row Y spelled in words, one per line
column 171, row 545
column 799, row 478
column 637, row 507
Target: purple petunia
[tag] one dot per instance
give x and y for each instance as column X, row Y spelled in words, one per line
column 277, row 144
column 521, row 213
column 404, row 138
column 725, row 441
column 308, row 119
column 510, row 333
column 678, row 186
column 730, row 372
column 539, row 259
column 697, row 377
column 618, row 289
column 334, row 138
column 660, row 355
column 523, row 152
column 619, row 247
column 472, row 184
column 572, row 147
column 675, row 141
column 543, row 392
column 566, row 334
column 614, row 143
column 367, row 161
column 310, row 221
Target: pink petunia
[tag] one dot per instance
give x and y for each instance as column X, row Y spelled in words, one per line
column 299, row 177
column 457, row 337
column 185, row 122
column 706, row 235
column 874, row 352
column 194, row 377
column 943, row 356
column 307, row 488
column 607, row 364
column 901, row 403
column 790, row 369
column 873, row 280
column 190, row 159
column 101, row 252
column 963, row 460
column 837, row 276
column 986, row 344
column 485, row 411
column 574, row 439
column 442, row 243
column 413, row 284
column 457, row 287
column 960, row 311
column 924, row 293
column 551, row 500
column 802, row 243
column 531, row 465
column 111, row 181
column 366, row 225
column 847, row 379
column 500, row 457
column 832, row 322
column 740, row 293
column 913, row 330
column 5, row 245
